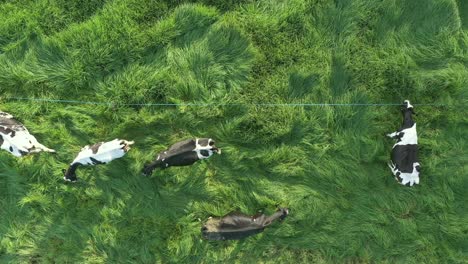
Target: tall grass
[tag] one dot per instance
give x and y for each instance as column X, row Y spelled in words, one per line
column 327, row 164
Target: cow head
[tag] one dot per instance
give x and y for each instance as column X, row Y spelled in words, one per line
column 204, row 142
column 70, row 173
column 213, row 147
column 126, row 145
column 284, row 211
column 407, row 107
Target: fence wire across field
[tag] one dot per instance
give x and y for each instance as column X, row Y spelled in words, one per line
column 64, row 101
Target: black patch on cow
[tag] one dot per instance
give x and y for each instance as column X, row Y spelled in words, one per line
column 10, row 123
column 399, row 136
column 237, row 225
column 6, row 131
column 231, row 235
column 404, row 156
column 205, row 152
column 70, row 173
column 23, row 153
column 95, row 161
column 11, row 149
column 171, row 159
column 180, row 154
column 182, row 159
column 203, row 142
column 407, row 119
column 179, row 147
column 94, row 148
column 1, row 140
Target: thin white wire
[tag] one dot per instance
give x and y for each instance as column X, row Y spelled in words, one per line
column 206, row 104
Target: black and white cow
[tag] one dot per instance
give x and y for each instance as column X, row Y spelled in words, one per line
column 99, row 153
column 183, row 153
column 405, row 164
column 15, row 138
column 237, row 225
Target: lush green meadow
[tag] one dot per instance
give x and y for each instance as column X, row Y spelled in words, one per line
column 326, row 163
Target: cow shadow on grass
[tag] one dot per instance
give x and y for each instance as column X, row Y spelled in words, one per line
column 153, row 211
column 44, row 228
column 115, row 208
column 13, row 190
column 68, row 232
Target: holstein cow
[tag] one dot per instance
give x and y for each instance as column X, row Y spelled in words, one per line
column 183, row 153
column 15, row 138
column 99, row 153
column 404, row 164
column 237, row 225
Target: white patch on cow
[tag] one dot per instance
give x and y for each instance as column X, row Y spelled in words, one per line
column 6, row 115
column 411, row 178
column 199, row 148
column 409, row 105
column 410, row 136
column 106, row 152
column 13, row 149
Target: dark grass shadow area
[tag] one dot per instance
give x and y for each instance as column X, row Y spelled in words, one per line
column 326, row 163
column 463, row 12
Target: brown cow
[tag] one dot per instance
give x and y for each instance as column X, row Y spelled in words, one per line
column 237, row 225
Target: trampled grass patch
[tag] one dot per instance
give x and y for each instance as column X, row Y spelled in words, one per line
column 327, row 164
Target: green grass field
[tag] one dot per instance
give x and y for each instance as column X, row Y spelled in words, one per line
column 327, row 164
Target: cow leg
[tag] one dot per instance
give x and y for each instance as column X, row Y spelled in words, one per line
column 392, row 135
column 392, row 167
column 39, row 147
column 44, row 148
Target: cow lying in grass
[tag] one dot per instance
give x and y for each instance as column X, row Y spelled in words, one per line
column 237, row 225
column 404, row 163
column 183, row 153
column 100, row 153
column 15, row 138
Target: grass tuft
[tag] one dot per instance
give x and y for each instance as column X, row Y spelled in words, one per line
column 327, row 164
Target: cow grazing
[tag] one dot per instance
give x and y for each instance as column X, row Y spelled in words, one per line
column 183, row 153
column 404, row 164
column 15, row 137
column 99, row 153
column 237, row 225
